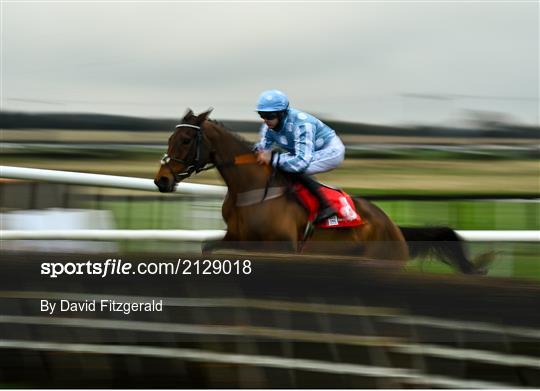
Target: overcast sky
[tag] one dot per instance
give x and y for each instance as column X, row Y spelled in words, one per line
column 379, row 62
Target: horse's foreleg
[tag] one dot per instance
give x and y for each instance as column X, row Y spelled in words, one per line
column 207, row 248
column 231, row 242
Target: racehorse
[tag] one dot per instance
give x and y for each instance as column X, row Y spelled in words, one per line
column 258, row 208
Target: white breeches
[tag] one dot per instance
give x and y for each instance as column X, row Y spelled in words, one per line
column 328, row 158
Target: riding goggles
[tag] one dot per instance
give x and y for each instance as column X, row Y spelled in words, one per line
column 269, row 115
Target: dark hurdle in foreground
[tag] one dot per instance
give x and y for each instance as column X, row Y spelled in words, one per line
column 294, row 322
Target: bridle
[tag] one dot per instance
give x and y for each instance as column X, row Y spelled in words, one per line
column 194, row 166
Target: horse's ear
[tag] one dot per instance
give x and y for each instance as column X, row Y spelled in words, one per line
column 204, row 116
column 189, row 114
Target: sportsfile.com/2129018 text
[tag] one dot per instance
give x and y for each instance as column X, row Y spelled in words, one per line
column 111, row 267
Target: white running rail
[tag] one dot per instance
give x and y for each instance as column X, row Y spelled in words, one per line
column 114, row 234
column 112, row 181
column 215, row 234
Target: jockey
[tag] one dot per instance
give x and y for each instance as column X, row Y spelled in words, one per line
column 310, row 146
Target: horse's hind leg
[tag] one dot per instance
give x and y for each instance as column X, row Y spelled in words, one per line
column 385, row 249
column 380, row 237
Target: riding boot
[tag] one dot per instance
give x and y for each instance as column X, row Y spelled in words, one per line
column 325, row 210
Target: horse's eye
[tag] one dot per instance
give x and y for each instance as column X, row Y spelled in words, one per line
column 186, row 141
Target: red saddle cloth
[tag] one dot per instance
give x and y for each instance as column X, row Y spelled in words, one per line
column 341, row 201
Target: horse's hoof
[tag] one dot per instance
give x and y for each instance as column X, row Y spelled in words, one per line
column 483, row 262
column 206, row 250
column 480, row 272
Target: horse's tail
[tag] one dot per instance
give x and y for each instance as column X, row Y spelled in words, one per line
column 446, row 245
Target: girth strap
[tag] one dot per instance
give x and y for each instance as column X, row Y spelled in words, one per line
column 256, row 196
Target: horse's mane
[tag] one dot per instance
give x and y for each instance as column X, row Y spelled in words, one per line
column 249, row 146
column 239, row 138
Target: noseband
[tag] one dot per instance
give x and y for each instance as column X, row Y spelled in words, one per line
column 191, row 166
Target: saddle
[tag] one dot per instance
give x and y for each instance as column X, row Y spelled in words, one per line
column 347, row 215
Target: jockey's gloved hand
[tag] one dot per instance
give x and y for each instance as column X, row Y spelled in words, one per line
column 264, row 157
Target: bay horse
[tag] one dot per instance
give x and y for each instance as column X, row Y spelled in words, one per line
column 258, row 209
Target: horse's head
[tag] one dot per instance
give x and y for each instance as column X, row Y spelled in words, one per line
column 188, row 152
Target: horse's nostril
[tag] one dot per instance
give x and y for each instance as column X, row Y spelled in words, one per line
column 162, row 183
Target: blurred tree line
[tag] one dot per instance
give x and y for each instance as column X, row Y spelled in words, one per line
column 488, row 128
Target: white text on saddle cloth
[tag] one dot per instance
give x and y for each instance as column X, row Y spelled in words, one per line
column 346, row 212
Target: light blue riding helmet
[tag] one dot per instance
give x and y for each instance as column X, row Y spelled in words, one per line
column 272, row 100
